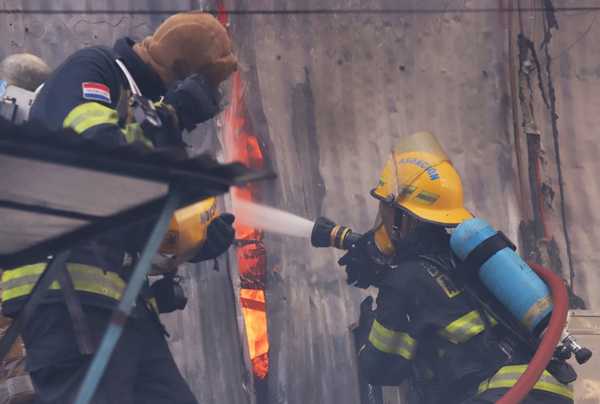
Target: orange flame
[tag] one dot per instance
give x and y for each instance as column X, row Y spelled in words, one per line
column 242, row 145
column 255, row 317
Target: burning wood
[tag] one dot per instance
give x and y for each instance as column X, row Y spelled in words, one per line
column 242, row 145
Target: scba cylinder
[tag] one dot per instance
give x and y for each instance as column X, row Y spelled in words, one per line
column 516, row 286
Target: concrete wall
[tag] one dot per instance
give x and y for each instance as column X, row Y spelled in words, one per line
column 329, row 95
column 333, row 94
column 570, row 140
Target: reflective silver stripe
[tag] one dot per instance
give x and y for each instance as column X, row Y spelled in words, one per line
column 392, row 342
column 15, row 283
column 20, row 281
column 507, row 376
column 464, row 328
column 78, row 277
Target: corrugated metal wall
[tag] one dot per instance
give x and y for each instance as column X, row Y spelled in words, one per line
column 330, row 94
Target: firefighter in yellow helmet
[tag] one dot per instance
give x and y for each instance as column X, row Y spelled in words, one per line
column 425, row 329
column 145, row 93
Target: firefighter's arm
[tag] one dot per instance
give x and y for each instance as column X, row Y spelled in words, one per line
column 196, row 233
column 386, row 354
column 84, row 95
column 219, row 237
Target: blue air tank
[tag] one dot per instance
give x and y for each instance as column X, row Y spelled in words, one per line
column 503, row 272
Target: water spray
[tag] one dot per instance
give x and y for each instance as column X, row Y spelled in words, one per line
column 271, row 219
column 322, row 232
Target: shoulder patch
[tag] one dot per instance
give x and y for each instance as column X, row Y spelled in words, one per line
column 96, row 92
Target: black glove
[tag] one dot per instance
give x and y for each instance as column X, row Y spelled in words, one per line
column 365, row 321
column 219, row 236
column 364, row 263
column 194, row 99
column 169, row 294
column 168, row 134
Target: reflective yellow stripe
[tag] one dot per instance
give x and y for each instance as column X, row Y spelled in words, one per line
column 153, row 305
column 133, row 132
column 90, row 114
column 20, row 281
column 464, row 328
column 507, row 376
column 392, row 342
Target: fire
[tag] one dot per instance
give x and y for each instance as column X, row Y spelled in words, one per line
column 242, row 145
column 255, row 316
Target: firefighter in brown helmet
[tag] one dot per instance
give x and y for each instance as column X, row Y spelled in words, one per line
column 145, row 93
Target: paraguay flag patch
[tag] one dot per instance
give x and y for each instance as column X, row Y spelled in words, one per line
column 96, row 92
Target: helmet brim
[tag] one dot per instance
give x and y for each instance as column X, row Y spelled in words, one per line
column 447, row 218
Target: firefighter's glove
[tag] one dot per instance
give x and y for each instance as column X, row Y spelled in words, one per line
column 364, row 263
column 219, row 236
column 169, row 294
column 194, row 100
column 365, row 321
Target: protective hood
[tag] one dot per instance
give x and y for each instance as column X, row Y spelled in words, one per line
column 189, row 43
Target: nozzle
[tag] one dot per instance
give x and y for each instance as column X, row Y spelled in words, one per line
column 326, row 233
column 582, row 354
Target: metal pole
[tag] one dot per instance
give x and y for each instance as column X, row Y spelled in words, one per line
column 119, row 317
column 50, row 274
column 73, row 303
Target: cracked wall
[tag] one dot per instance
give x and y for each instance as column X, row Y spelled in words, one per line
column 556, row 136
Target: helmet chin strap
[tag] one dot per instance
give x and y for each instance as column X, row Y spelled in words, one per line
column 403, row 226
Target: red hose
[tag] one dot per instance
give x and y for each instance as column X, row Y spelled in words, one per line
column 551, row 338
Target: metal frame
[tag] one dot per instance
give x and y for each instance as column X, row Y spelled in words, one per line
column 139, row 163
column 194, row 184
column 80, row 325
column 44, row 281
column 185, row 185
column 121, row 313
column 127, row 162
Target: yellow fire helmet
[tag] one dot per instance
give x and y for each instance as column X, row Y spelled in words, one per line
column 420, row 179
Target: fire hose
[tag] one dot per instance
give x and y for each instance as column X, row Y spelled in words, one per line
column 550, row 340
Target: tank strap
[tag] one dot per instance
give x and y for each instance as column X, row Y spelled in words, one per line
column 485, row 250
